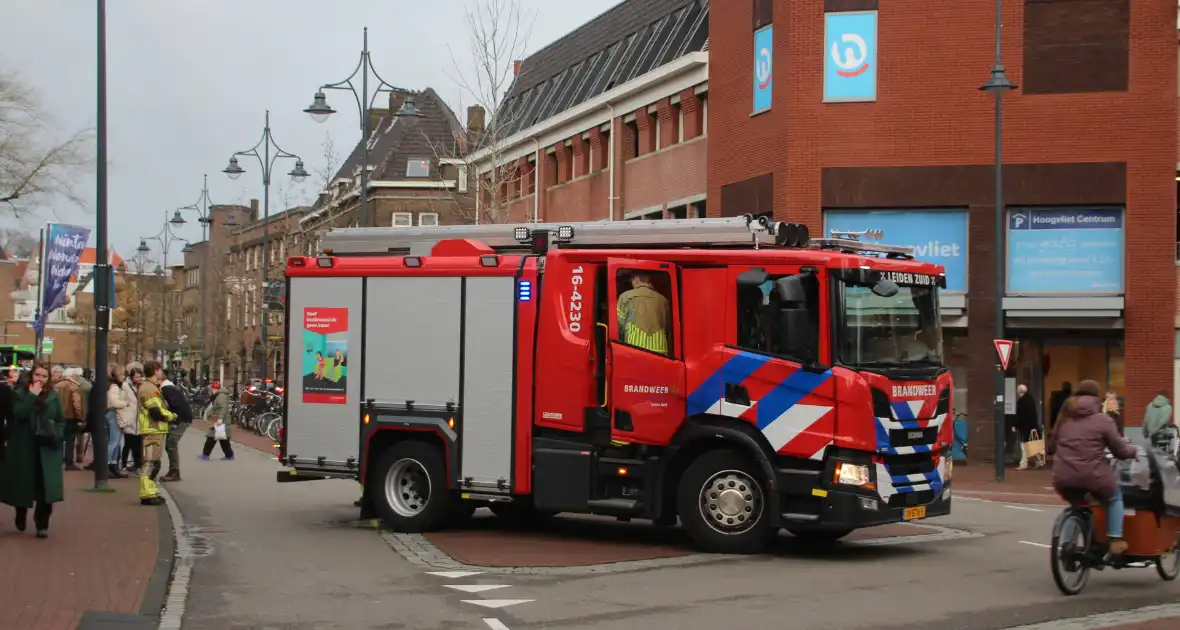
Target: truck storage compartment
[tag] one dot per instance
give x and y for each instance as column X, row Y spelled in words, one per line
column 325, row 330
column 562, row 478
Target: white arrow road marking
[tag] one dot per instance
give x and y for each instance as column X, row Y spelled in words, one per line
column 475, row 588
column 496, row 603
column 453, row 575
column 495, row 624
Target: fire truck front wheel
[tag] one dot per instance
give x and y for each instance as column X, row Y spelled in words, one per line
column 411, row 494
column 722, row 504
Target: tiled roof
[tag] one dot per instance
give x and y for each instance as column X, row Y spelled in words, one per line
column 631, row 39
column 398, row 139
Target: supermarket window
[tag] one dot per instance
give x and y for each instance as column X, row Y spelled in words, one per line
column 427, row 218
column 403, row 219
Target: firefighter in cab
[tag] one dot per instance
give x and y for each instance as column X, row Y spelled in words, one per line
column 643, row 315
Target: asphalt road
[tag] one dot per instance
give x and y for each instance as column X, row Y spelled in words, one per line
column 285, row 557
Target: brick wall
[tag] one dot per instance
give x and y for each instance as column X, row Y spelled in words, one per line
column 669, row 174
column 929, row 112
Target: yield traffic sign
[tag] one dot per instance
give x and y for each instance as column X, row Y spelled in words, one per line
column 1004, row 350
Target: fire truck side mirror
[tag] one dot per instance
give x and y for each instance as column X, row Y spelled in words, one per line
column 753, row 277
column 790, row 290
column 886, row 288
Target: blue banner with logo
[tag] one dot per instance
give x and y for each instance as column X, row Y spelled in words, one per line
column 64, row 245
column 850, row 56
column 937, row 236
column 1065, row 250
column 763, row 68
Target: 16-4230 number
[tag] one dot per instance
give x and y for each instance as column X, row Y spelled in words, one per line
column 576, row 299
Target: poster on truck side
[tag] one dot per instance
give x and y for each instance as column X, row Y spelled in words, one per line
column 325, row 355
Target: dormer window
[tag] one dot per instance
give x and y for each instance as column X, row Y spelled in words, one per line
column 418, row 167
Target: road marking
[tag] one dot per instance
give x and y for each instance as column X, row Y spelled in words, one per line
column 172, row 616
column 495, row 624
column 982, row 500
column 475, row 588
column 1107, row 620
column 496, row 603
column 453, row 575
column 1025, row 542
column 1026, row 509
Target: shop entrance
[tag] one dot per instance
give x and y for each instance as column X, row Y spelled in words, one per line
column 1044, row 364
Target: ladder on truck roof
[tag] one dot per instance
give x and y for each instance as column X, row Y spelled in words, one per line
column 748, row 231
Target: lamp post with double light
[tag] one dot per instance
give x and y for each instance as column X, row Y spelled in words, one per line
column 320, row 111
column 205, row 217
column 267, row 161
column 166, row 238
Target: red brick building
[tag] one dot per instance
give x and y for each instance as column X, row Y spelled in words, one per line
column 606, row 123
column 1089, row 133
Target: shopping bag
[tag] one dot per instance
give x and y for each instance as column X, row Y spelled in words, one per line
column 1035, row 445
column 219, row 431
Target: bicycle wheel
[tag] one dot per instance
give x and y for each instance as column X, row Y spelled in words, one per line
column 1168, row 565
column 1071, row 541
column 272, row 428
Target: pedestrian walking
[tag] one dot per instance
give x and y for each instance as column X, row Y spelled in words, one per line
column 218, row 432
column 154, row 422
column 30, row 475
column 117, row 403
column 72, row 410
column 1026, row 423
column 178, row 404
column 129, row 420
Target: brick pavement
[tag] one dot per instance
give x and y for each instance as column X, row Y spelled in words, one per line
column 101, row 563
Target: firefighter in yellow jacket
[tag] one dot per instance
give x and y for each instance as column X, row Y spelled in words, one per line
column 154, row 422
column 643, row 315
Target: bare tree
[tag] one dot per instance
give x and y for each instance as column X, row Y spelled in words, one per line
column 498, row 33
column 35, row 166
column 18, row 243
column 326, row 171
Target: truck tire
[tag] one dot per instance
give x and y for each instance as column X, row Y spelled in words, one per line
column 409, row 487
column 722, row 504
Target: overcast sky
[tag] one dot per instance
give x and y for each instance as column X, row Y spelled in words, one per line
column 190, row 80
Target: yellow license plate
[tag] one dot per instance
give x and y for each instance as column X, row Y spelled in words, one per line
column 914, row 513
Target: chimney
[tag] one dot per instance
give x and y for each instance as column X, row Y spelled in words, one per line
column 253, row 211
column 516, row 67
column 396, row 98
column 475, row 119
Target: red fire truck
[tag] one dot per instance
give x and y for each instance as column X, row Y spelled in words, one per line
column 730, row 373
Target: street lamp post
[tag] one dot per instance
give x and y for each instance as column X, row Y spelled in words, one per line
column 102, row 267
column 997, row 84
column 320, row 110
column 166, row 238
column 267, row 162
column 205, row 218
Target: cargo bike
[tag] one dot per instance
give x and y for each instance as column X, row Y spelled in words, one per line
column 1151, row 526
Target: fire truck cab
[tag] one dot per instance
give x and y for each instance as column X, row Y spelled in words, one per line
column 732, row 374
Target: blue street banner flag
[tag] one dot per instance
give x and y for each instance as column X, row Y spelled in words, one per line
column 64, row 245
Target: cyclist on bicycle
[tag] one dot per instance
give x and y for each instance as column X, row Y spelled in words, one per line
column 1079, row 442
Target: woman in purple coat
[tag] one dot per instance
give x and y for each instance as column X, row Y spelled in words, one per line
column 1079, row 442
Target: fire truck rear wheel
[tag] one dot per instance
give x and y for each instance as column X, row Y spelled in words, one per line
column 411, row 494
column 722, row 504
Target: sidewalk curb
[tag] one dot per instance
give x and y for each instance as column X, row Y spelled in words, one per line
column 156, row 596
column 172, row 613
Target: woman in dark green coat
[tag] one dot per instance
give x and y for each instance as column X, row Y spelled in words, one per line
column 30, row 472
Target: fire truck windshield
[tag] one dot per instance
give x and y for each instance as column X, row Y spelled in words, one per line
column 902, row 330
